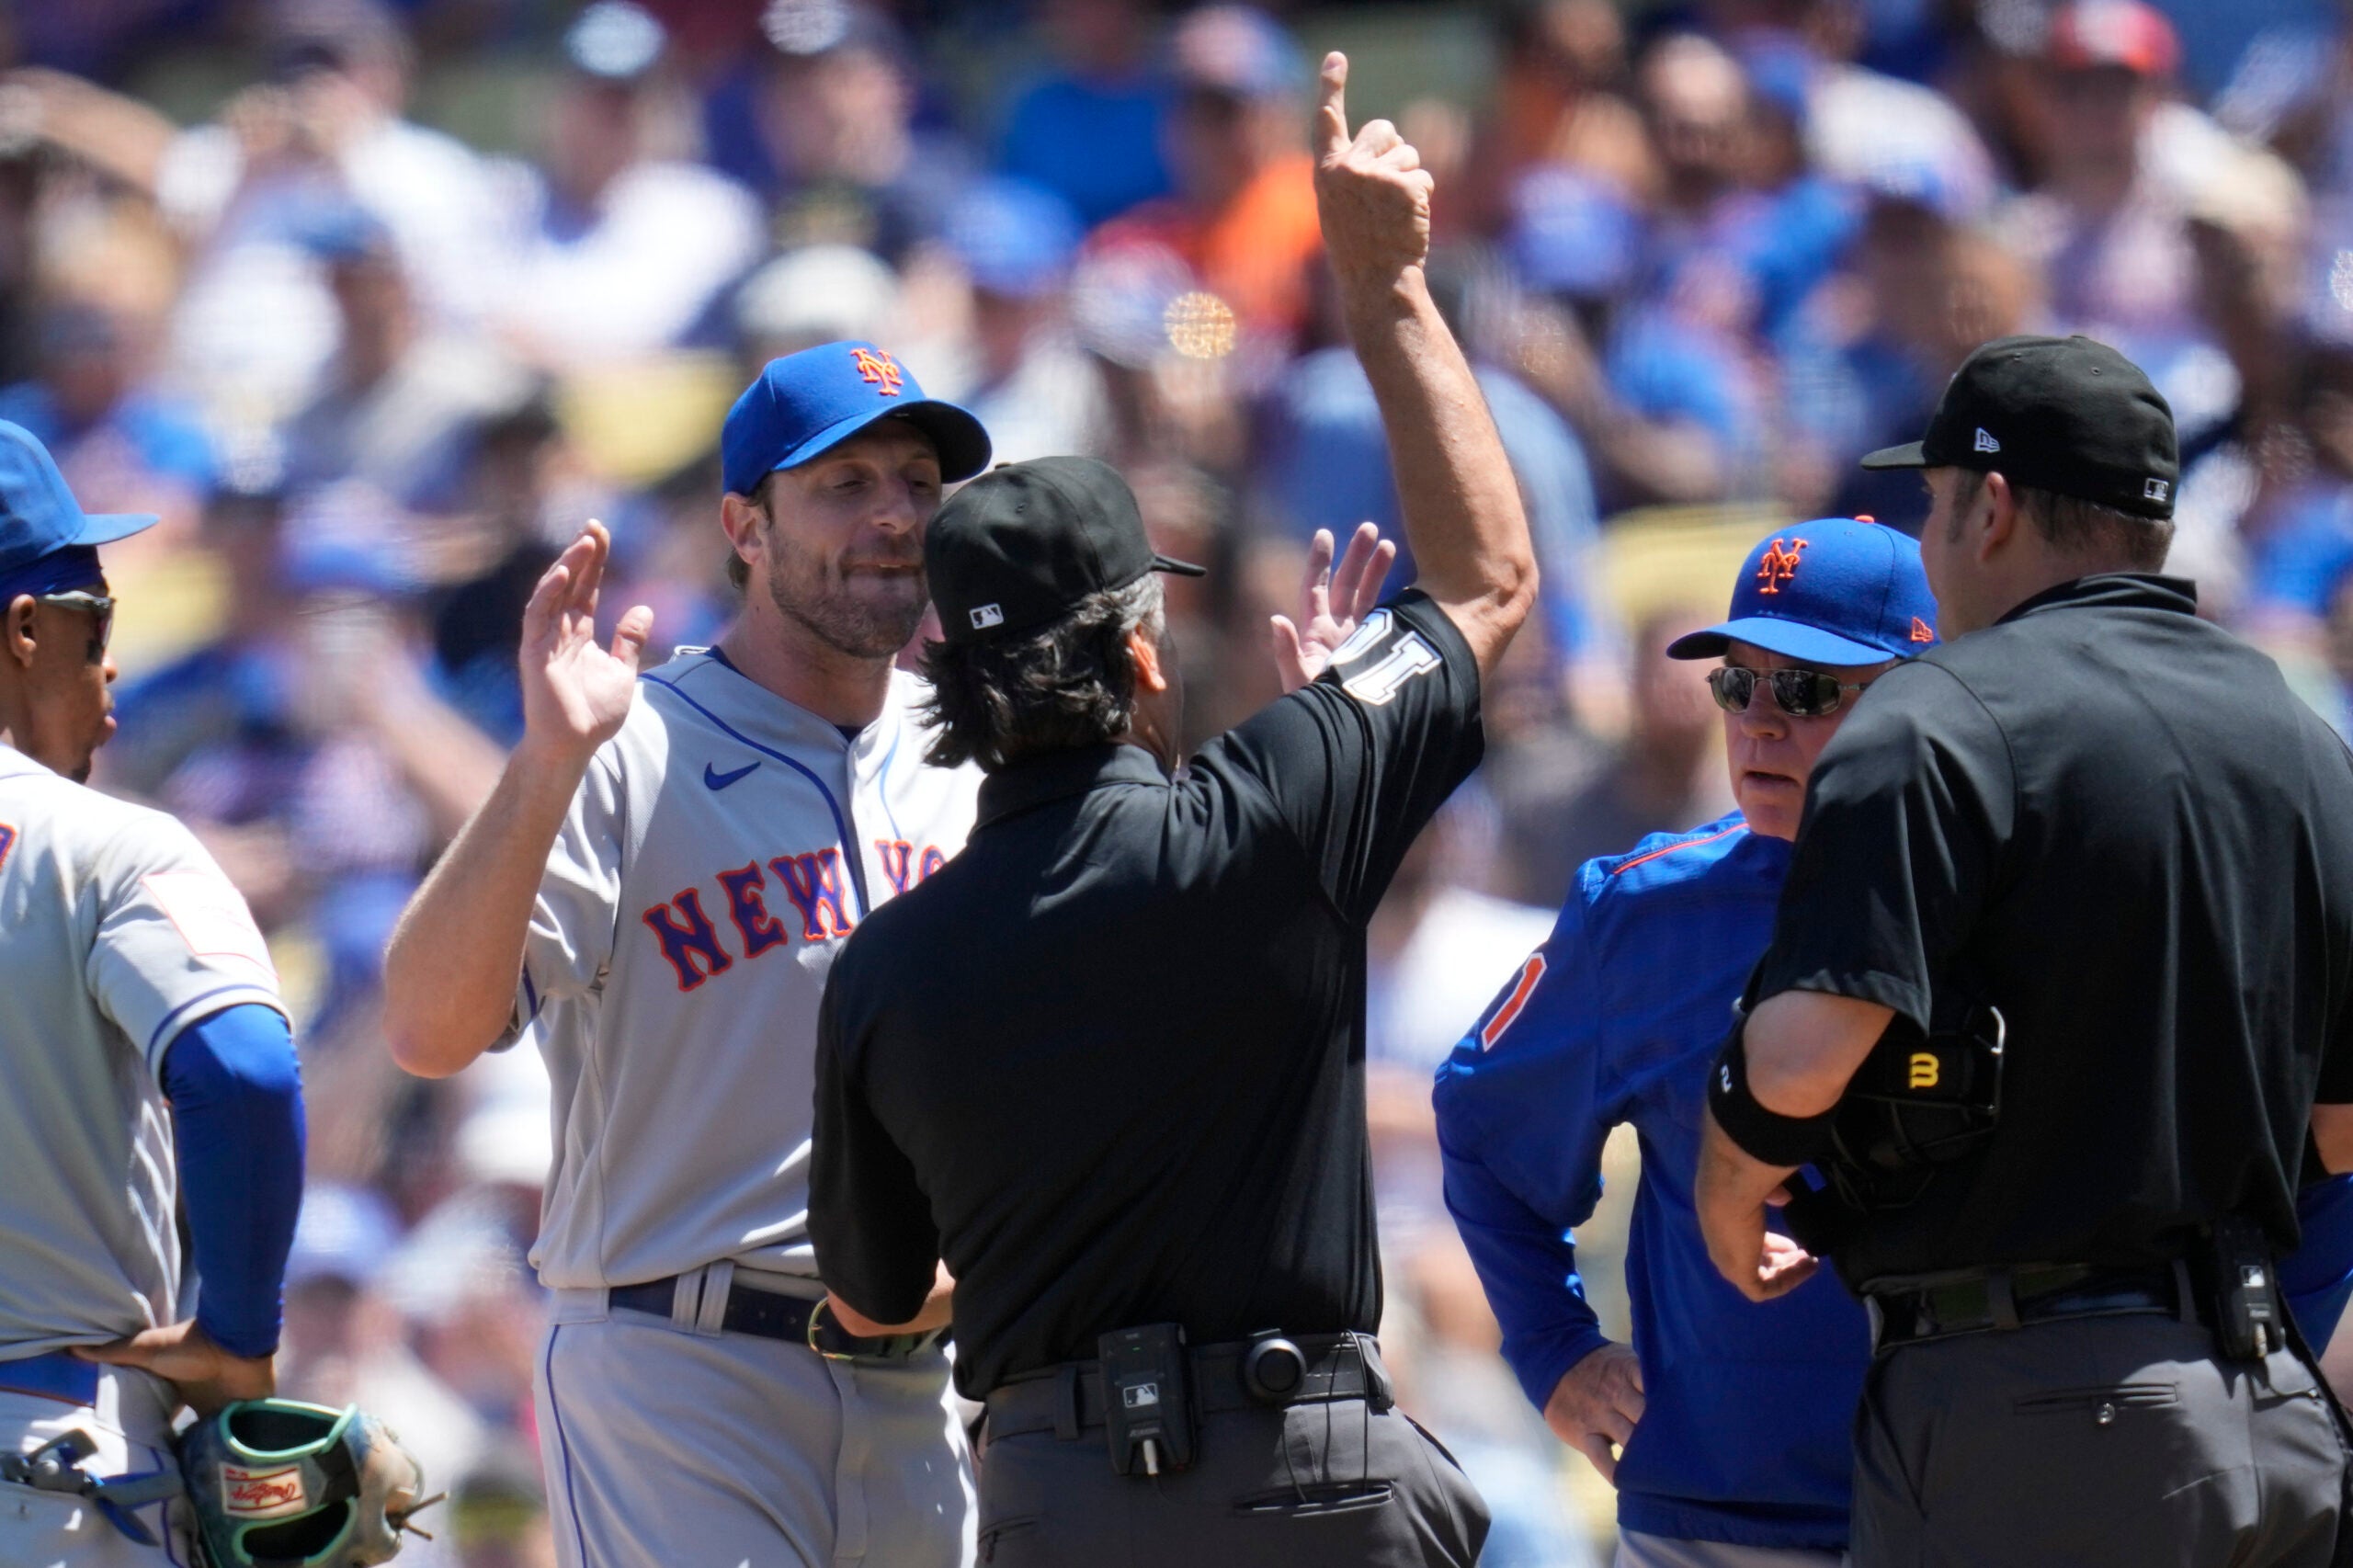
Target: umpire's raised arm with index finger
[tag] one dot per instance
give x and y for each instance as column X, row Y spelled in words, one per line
column 1458, row 500
column 1108, row 1063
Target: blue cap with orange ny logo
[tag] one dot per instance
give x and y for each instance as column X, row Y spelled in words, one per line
column 1834, row 591
column 806, row 404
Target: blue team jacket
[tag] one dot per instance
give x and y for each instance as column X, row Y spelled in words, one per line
column 1747, row 1434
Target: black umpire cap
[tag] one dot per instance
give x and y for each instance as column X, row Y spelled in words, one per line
column 1024, row 542
column 2066, row 414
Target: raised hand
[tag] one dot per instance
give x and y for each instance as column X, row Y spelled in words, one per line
column 1371, row 189
column 1332, row 603
column 575, row 694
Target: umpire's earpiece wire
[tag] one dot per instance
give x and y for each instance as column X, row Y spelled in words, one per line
column 1364, row 1372
column 1291, row 1469
column 1328, row 1439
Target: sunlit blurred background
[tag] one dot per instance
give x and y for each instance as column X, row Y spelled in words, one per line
column 377, row 300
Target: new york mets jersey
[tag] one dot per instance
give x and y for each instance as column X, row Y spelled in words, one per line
column 116, row 932
column 719, row 850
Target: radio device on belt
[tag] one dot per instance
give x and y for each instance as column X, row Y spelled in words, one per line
column 2243, row 1288
column 1147, row 1398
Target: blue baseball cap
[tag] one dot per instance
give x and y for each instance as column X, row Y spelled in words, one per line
column 1014, row 238
column 48, row 544
column 1573, row 234
column 1834, row 591
column 1237, row 50
column 806, row 404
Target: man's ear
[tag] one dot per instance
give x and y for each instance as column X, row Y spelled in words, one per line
column 1999, row 523
column 741, row 519
column 16, row 641
column 1143, row 657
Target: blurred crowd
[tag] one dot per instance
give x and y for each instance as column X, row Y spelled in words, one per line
column 374, row 374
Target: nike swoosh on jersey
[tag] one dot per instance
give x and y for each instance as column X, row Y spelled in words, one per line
column 715, row 780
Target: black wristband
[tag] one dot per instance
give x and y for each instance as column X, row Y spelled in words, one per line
column 1759, row 1134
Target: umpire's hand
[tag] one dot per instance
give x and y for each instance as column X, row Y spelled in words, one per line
column 1371, row 190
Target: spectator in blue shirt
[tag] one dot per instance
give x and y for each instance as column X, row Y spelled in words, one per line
column 1090, row 132
column 1726, row 1425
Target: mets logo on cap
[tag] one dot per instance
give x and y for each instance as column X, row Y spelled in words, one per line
column 876, row 366
column 1779, row 563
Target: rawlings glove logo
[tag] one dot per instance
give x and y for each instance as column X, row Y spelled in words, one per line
column 262, row 1493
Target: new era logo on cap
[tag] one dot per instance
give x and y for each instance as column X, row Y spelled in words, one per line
column 986, row 616
column 1986, row 443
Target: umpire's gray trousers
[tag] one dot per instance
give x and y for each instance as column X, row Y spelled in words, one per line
column 2093, row 1443
column 1307, row 1487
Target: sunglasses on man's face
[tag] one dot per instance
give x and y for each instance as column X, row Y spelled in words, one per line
column 1801, row 694
column 98, row 606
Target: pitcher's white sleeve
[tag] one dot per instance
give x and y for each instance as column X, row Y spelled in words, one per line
column 175, row 941
column 570, row 943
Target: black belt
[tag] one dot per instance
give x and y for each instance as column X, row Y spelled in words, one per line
column 1990, row 1299
column 1068, row 1398
column 770, row 1315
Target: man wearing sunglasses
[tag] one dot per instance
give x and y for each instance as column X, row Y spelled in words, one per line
column 1728, row 1425
column 1725, row 1424
column 145, row 1068
column 2110, row 821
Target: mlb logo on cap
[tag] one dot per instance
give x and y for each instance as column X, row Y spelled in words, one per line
column 986, row 616
column 1834, row 591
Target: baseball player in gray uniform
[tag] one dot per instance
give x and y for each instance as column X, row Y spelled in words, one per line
column 653, row 895
column 145, row 1063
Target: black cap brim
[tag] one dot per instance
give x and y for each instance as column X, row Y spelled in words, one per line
column 1179, row 568
column 1909, row 455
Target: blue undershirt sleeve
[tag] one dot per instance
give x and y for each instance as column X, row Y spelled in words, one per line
column 236, row 1094
column 1523, row 1105
column 1528, row 1268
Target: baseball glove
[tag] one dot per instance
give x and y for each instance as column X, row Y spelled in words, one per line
column 276, row 1483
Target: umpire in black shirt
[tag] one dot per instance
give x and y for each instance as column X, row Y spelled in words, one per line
column 2110, row 822
column 1108, row 1062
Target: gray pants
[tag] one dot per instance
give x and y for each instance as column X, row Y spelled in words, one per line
column 1302, row 1487
column 1636, row 1549
column 2093, row 1443
column 670, row 1446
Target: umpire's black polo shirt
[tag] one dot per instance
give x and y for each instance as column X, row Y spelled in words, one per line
column 1108, row 1062
column 2114, row 820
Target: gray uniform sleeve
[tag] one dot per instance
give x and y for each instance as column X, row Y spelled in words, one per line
column 569, row 944
column 175, row 943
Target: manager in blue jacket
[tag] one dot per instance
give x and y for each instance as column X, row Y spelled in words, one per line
column 1727, row 1426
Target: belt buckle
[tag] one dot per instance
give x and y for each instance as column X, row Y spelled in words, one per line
column 820, row 1321
column 824, row 1328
